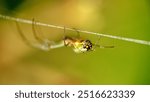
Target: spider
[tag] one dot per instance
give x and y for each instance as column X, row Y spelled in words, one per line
column 78, row 44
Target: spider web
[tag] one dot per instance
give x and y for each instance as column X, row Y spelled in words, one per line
column 83, row 31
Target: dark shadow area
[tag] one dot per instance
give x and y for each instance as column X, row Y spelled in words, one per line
column 9, row 6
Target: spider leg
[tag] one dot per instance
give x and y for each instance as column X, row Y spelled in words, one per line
column 44, row 44
column 78, row 34
column 35, row 33
column 104, row 46
column 22, row 35
column 39, row 31
column 96, row 44
column 108, row 46
column 64, row 34
column 35, row 45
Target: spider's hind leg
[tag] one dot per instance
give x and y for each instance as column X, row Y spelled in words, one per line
column 22, row 35
column 35, row 32
column 45, row 44
column 40, row 45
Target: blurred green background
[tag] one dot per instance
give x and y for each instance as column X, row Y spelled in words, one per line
column 127, row 63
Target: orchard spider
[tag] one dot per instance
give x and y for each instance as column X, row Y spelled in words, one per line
column 78, row 44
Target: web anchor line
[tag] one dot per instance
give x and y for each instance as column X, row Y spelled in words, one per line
column 144, row 42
